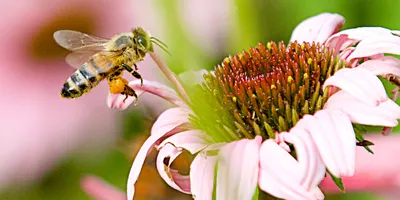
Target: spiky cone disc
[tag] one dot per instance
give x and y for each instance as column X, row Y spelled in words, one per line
column 264, row 90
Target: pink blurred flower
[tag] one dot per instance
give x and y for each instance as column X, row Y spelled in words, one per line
column 38, row 126
column 100, row 190
column 340, row 73
column 378, row 172
column 206, row 26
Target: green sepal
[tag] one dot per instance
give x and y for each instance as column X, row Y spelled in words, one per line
column 359, row 130
column 214, row 194
column 338, row 181
column 256, row 194
column 365, row 143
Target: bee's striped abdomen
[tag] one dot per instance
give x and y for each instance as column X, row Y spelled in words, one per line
column 84, row 79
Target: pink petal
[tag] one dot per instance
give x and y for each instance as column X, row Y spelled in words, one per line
column 362, row 33
column 170, row 119
column 158, row 89
column 396, row 92
column 377, row 45
column 347, row 38
column 317, row 28
column 191, row 140
column 280, row 139
column 307, row 155
column 385, row 114
column 173, row 178
column 391, row 107
column 340, row 42
column 168, row 123
column 280, row 174
column 334, row 137
column 238, row 169
column 100, row 190
column 202, row 176
column 139, row 161
column 360, row 83
column 346, row 53
column 382, row 66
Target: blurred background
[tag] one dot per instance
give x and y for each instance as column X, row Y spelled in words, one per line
column 48, row 144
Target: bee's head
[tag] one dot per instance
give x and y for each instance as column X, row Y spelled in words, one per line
column 143, row 40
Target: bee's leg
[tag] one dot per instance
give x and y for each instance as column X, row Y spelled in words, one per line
column 137, row 75
column 133, row 72
column 128, row 91
column 136, row 68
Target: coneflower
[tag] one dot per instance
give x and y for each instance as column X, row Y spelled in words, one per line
column 276, row 116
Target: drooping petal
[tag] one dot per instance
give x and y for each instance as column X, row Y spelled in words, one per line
column 202, row 176
column 170, row 148
column 158, row 89
column 377, row 45
column 334, row 137
column 168, row 123
column 172, row 177
column 191, row 140
column 280, row 174
column 382, row 66
column 238, row 169
column 170, row 119
column 308, row 157
column 280, row 139
column 360, row 83
column 100, row 190
column 317, row 28
column 139, row 161
column 385, row 114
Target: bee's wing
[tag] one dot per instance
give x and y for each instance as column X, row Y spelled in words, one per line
column 77, row 41
column 77, row 58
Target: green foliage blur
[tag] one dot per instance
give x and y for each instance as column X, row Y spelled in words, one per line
column 255, row 21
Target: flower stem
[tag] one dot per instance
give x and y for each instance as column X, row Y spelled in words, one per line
column 171, row 76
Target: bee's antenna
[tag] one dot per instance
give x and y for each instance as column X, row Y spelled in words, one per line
column 156, row 41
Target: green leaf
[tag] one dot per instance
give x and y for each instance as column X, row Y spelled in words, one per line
column 338, row 181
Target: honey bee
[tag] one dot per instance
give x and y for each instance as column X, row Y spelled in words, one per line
column 96, row 59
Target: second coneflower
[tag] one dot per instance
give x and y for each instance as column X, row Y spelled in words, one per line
column 277, row 116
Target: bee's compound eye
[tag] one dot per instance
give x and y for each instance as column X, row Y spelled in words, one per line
column 142, row 41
